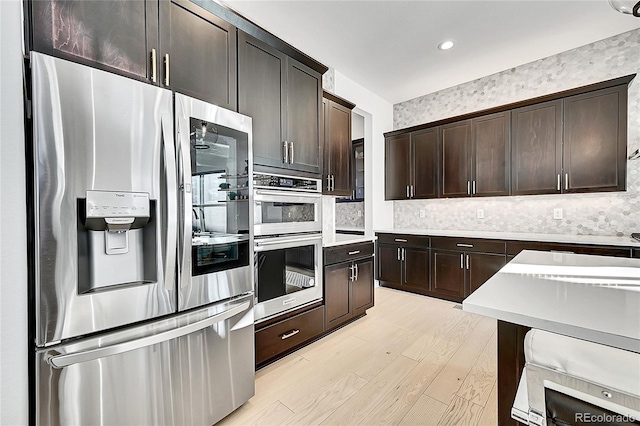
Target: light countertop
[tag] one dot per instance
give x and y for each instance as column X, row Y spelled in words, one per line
column 594, row 298
column 625, row 241
column 349, row 228
column 333, row 239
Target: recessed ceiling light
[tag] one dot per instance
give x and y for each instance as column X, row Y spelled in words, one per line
column 445, row 45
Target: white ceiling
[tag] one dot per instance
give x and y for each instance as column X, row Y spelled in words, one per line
column 390, row 47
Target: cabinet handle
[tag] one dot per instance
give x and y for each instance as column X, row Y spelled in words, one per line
column 467, row 261
column 461, row 261
column 566, row 181
column 290, row 334
column 400, row 240
column 403, row 254
column 328, row 182
column 351, row 253
column 333, row 181
column 154, row 66
column 285, row 157
column 356, row 266
column 468, row 187
column 464, row 245
column 558, row 186
column 412, row 191
column 398, row 253
column 351, row 273
column 407, row 191
column 474, row 188
column 166, row 69
column 291, row 158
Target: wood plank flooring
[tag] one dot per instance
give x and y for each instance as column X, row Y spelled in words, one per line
column 413, row 360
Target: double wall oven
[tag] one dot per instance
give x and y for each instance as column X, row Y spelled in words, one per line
column 288, row 243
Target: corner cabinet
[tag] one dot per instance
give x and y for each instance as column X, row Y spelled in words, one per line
column 283, row 97
column 348, row 283
column 336, row 175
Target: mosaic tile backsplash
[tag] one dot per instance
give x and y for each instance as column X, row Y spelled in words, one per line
column 347, row 215
column 583, row 214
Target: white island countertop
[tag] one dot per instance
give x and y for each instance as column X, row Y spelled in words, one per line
column 605, row 240
column 595, row 298
column 334, row 239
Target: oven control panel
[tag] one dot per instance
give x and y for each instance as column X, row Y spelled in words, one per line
column 271, row 181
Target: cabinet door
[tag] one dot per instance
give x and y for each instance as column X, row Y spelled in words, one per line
column 416, row 268
column 114, row 35
column 261, row 91
column 448, row 274
column 396, row 167
column 481, row 267
column 202, row 53
column 595, row 141
column 424, row 164
column 455, row 166
column 337, row 302
column 389, row 263
column 362, row 287
column 337, row 147
column 304, row 98
column 536, row 148
column 491, row 154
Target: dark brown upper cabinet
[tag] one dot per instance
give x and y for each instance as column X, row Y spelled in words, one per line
column 283, row 97
column 336, row 175
column 120, row 36
column 475, row 157
column 595, row 141
column 536, row 145
column 198, row 53
column 411, row 165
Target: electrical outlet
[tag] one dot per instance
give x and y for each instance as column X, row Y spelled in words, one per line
column 480, row 213
column 423, row 213
column 359, row 213
column 557, row 213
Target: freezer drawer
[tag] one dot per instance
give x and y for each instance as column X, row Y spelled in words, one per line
column 192, row 369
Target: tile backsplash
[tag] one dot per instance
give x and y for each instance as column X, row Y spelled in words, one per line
column 583, row 214
column 347, row 215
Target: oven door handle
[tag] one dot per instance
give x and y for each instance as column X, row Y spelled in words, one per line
column 268, row 192
column 277, row 241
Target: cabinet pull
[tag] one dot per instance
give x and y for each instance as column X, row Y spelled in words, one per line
column 566, row 181
column 558, row 186
column 467, row 261
column 398, row 253
column 333, row 182
column 166, row 69
column 291, row 157
column 285, row 157
column 328, row 182
column 461, row 261
column 351, row 253
column 464, row 245
column 403, row 254
column 290, row 334
column 468, row 187
column 400, row 240
column 412, row 193
column 351, row 273
column 154, row 66
column 407, row 191
column 474, row 188
column 356, row 268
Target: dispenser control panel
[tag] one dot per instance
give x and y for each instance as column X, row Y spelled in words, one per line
column 108, row 209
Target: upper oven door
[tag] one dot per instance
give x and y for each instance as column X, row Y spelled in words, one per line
column 282, row 212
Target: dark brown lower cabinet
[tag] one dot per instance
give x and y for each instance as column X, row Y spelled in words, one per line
column 483, row 266
column 403, row 267
column 348, row 289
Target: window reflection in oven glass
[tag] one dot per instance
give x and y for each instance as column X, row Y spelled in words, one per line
column 285, row 271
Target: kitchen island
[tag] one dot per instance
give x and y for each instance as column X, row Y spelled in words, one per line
column 594, row 298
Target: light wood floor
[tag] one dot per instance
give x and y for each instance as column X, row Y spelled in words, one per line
column 412, row 360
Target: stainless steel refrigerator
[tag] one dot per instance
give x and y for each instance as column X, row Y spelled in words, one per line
column 128, row 328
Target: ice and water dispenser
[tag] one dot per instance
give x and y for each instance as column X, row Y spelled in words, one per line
column 116, row 240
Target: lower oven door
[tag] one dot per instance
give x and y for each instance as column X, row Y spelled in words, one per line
column 288, row 273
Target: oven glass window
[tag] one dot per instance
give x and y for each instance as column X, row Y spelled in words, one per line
column 285, row 271
column 220, row 197
column 277, row 212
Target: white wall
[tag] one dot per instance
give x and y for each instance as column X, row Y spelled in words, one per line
column 378, row 118
column 357, row 126
column 13, row 237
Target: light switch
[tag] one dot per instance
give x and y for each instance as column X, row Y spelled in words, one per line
column 359, row 213
column 557, row 213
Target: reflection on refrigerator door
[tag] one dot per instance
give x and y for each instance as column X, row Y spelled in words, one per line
column 192, row 369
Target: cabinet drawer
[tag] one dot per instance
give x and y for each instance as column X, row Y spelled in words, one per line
column 515, row 247
column 347, row 252
column 468, row 244
column 404, row 239
column 636, row 253
column 272, row 340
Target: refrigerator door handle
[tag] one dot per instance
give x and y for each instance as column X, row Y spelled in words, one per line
column 184, row 173
column 61, row 361
column 171, row 236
